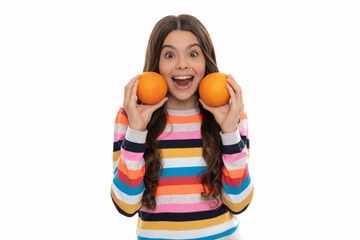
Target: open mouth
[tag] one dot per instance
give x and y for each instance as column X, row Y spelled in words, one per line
column 183, row 81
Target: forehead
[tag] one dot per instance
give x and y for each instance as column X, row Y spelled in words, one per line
column 178, row 38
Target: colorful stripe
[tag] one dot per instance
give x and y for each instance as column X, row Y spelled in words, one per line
column 168, row 181
column 183, row 162
column 183, row 216
column 212, row 237
column 170, row 119
column 131, row 191
column 181, row 153
column 183, row 226
column 203, row 233
column 181, row 212
column 181, row 144
column 181, row 171
column 180, row 208
column 235, row 156
column 180, row 189
column 180, row 135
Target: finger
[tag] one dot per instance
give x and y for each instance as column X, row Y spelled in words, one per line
column 234, row 84
column 133, row 92
column 128, row 88
column 230, row 76
column 205, row 106
column 236, row 87
column 231, row 80
column 231, row 92
column 158, row 105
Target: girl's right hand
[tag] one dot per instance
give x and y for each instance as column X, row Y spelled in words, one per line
column 138, row 115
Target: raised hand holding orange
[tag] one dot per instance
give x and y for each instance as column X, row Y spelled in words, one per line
column 138, row 115
column 227, row 115
column 212, row 89
column 152, row 88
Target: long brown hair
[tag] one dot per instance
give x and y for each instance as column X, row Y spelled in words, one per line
column 212, row 151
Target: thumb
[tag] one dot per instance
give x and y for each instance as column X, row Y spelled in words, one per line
column 207, row 107
column 158, row 105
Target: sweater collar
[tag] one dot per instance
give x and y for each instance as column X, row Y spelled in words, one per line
column 183, row 112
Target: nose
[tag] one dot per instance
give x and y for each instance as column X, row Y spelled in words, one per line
column 182, row 64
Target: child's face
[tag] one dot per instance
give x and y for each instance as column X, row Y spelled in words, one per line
column 182, row 64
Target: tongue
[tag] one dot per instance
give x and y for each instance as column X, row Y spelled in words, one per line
column 182, row 82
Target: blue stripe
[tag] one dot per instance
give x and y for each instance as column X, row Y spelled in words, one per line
column 237, row 190
column 212, row 237
column 132, row 191
column 181, row 172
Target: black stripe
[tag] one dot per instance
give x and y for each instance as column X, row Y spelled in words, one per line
column 122, row 211
column 133, row 147
column 117, row 146
column 188, row 143
column 173, row 144
column 246, row 141
column 182, row 217
column 235, row 148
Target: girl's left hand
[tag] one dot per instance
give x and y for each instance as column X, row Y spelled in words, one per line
column 227, row 116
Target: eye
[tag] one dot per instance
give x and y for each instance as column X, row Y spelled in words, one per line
column 169, row 55
column 193, row 54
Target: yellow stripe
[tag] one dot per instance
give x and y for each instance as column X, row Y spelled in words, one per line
column 183, row 226
column 182, row 152
column 237, row 207
column 128, row 208
column 116, row 155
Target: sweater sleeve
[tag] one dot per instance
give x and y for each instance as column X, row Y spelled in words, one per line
column 237, row 186
column 128, row 166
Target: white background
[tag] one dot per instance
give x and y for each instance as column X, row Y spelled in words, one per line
column 63, row 66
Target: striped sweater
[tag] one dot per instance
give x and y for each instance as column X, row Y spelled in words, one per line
column 181, row 213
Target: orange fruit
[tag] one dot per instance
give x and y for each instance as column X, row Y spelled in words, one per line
column 152, row 88
column 213, row 90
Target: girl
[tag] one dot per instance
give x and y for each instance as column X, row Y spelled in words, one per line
column 180, row 164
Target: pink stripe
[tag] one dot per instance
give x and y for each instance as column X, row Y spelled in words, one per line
column 118, row 136
column 179, row 208
column 236, row 156
column 131, row 155
column 243, row 132
column 180, row 135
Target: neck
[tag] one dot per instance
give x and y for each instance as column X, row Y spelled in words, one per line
column 176, row 104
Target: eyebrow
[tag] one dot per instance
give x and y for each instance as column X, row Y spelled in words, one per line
column 172, row 47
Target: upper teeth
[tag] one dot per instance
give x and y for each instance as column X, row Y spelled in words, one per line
column 182, row 77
